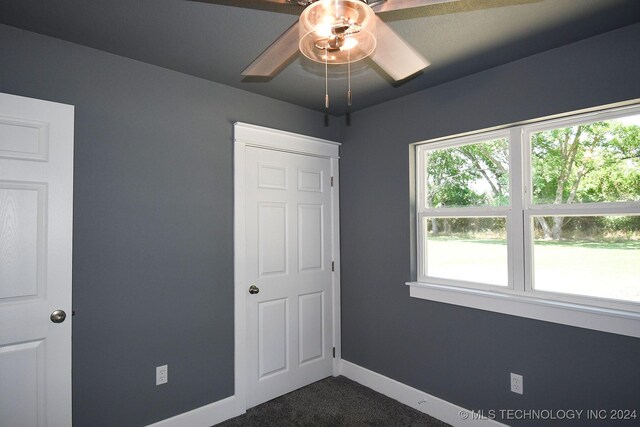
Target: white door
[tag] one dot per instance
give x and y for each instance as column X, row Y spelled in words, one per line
column 289, row 261
column 36, row 187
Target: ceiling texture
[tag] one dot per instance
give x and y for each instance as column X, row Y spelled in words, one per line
column 216, row 40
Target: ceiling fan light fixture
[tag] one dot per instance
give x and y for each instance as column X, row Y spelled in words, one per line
column 349, row 43
column 337, row 31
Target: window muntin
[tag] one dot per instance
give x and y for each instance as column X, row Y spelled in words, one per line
column 610, row 197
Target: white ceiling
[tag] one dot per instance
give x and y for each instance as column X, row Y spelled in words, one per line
column 215, row 41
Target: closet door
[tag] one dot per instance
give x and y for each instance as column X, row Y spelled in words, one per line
column 36, row 205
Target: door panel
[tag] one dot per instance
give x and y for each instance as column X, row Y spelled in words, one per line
column 24, row 382
column 288, row 244
column 310, row 237
column 310, row 180
column 36, row 188
column 23, row 138
column 21, row 240
column 272, row 176
column 273, row 337
column 311, row 308
column 272, row 238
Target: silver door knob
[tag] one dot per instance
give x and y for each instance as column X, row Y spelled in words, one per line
column 58, row 316
column 253, row 289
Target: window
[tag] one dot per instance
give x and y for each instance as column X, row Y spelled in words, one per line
column 463, row 208
column 545, row 215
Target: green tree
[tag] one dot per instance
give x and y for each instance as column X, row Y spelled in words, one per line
column 453, row 176
column 595, row 162
column 491, row 161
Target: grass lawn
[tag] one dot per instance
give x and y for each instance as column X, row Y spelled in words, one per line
column 599, row 269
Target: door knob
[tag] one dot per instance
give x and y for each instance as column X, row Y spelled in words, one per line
column 253, row 289
column 58, row 316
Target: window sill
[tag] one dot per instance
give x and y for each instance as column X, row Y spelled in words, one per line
column 582, row 316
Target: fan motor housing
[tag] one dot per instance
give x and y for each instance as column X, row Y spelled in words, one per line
column 337, row 32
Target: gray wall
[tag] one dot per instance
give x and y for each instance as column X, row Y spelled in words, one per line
column 153, row 223
column 458, row 354
column 153, row 243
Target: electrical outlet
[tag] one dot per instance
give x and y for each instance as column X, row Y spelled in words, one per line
column 517, row 386
column 162, row 374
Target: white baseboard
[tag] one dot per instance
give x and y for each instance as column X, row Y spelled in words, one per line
column 423, row 402
column 222, row 410
column 204, row 416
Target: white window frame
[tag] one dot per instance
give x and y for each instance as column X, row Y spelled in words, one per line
column 520, row 298
column 461, row 212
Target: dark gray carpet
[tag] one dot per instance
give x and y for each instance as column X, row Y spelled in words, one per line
column 333, row 402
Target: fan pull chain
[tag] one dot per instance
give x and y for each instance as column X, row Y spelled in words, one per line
column 326, row 81
column 349, row 77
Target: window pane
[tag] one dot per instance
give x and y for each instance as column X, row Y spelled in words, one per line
column 591, row 162
column 468, row 249
column 598, row 256
column 468, row 175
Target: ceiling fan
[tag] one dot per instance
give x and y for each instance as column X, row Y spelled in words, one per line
column 343, row 31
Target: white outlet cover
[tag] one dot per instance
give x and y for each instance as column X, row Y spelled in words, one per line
column 517, row 384
column 162, row 374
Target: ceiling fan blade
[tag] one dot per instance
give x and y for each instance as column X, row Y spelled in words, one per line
column 279, row 6
column 276, row 55
column 246, row 3
column 279, row 1
column 389, row 5
column 394, row 55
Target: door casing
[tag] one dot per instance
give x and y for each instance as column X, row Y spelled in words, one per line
column 247, row 135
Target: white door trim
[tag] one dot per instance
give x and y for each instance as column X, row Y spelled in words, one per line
column 246, row 135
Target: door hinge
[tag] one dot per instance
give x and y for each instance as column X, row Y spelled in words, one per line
column 333, row 266
column 334, row 352
column 332, row 181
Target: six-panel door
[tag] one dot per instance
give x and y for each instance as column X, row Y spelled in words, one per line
column 288, row 229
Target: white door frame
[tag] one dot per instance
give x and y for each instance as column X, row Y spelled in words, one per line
column 246, row 135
